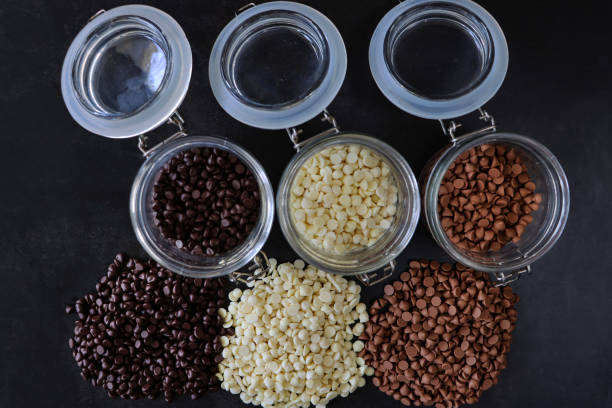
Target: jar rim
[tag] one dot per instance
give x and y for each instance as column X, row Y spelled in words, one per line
column 369, row 261
column 185, row 264
column 555, row 226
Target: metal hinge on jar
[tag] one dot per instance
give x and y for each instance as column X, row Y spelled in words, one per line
column 451, row 129
column 259, row 268
column 175, row 119
column 372, row 278
column 294, row 133
column 505, row 278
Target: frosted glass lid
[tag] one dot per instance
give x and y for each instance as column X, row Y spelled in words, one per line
column 277, row 65
column 438, row 59
column 126, row 71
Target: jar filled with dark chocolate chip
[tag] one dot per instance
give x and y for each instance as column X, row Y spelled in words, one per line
column 360, row 212
column 494, row 201
column 200, row 206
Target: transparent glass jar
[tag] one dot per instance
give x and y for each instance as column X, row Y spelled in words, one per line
column 126, row 73
column 390, row 244
column 168, row 255
column 442, row 60
column 260, row 89
column 548, row 221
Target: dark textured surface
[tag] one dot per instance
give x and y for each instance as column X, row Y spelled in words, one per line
column 64, row 192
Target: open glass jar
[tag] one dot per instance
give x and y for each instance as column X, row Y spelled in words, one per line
column 444, row 59
column 126, row 73
column 276, row 66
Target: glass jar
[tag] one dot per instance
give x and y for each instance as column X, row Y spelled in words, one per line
column 168, row 255
column 444, row 59
column 126, row 73
column 390, row 244
column 540, row 235
column 257, row 88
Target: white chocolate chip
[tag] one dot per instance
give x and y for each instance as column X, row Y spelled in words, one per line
column 292, row 343
column 336, row 191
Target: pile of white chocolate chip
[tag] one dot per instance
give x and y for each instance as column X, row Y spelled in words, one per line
column 293, row 345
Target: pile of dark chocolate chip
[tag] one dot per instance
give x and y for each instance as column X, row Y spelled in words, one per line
column 147, row 332
column 206, row 201
column 440, row 335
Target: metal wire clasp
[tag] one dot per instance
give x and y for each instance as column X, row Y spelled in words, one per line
column 260, row 268
column 175, row 119
column 243, row 8
column 505, row 278
column 453, row 125
column 294, row 133
column 372, row 278
column 96, row 14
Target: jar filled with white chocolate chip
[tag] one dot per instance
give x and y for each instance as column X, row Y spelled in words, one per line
column 348, row 203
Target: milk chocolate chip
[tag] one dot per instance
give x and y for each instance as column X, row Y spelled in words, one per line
column 443, row 347
column 486, row 198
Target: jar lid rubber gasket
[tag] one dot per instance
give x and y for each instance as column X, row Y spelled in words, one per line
column 160, row 107
column 430, row 108
column 296, row 113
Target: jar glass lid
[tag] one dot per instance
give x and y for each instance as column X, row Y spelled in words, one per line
column 126, row 71
column 277, row 65
column 438, row 59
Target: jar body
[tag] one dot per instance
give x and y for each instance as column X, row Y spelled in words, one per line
column 391, row 243
column 548, row 221
column 182, row 262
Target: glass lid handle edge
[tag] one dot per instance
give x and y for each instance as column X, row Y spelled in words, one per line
column 373, row 278
column 260, row 267
column 505, row 278
column 175, row 119
column 294, row 132
column 450, row 129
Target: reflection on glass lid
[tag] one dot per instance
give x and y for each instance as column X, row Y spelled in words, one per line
column 127, row 71
column 122, row 67
column 275, row 59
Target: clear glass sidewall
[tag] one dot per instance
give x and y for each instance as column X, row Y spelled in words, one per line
column 540, row 235
column 391, row 243
column 160, row 249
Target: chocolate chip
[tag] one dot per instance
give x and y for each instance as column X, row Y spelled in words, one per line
column 146, row 332
column 485, row 192
column 440, row 335
column 201, row 196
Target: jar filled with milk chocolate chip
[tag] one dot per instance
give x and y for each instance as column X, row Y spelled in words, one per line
column 347, row 202
column 494, row 201
column 200, row 206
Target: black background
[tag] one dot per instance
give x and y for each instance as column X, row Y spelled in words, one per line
column 64, row 192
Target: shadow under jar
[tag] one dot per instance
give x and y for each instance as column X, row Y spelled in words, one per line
column 445, row 59
column 278, row 65
column 125, row 74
